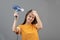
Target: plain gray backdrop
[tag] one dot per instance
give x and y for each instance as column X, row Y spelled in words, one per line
column 48, row 10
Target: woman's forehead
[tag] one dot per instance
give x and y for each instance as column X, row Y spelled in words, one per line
column 31, row 14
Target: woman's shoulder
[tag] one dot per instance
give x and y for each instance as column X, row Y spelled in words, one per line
column 33, row 24
column 20, row 25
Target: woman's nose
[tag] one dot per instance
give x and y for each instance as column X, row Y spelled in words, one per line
column 31, row 18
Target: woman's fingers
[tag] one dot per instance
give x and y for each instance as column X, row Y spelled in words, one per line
column 35, row 12
column 16, row 15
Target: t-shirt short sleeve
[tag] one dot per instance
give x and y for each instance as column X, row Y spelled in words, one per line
column 35, row 27
column 19, row 27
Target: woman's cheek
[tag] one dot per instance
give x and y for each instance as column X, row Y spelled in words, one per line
column 28, row 19
column 32, row 19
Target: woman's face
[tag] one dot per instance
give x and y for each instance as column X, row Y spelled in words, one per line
column 30, row 17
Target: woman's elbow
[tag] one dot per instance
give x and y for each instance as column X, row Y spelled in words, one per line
column 13, row 30
column 41, row 27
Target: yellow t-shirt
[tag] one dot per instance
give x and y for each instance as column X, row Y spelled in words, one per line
column 29, row 32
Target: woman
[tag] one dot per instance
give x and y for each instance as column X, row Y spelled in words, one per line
column 29, row 28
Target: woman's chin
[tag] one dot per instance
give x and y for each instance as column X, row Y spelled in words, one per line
column 28, row 22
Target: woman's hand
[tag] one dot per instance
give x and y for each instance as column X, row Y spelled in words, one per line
column 35, row 13
column 16, row 15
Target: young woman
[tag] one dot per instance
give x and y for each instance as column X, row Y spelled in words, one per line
column 29, row 28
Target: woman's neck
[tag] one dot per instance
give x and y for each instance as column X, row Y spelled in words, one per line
column 27, row 23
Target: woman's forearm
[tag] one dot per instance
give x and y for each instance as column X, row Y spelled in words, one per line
column 39, row 22
column 14, row 25
column 14, row 28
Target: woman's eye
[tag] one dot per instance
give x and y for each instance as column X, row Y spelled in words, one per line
column 32, row 17
column 29, row 16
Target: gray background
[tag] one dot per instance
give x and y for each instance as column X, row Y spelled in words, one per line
column 48, row 10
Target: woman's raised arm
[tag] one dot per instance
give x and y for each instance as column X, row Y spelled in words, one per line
column 14, row 28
